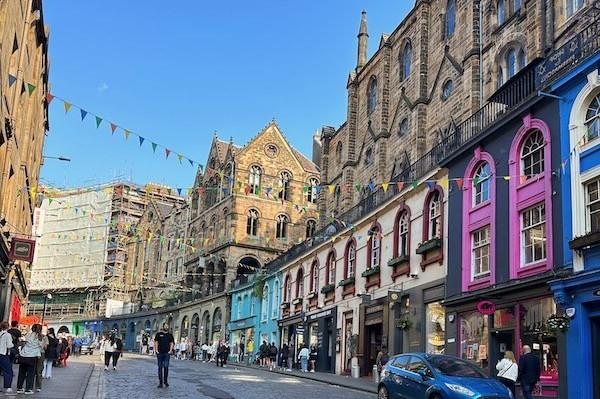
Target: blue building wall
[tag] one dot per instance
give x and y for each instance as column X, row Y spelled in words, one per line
column 577, row 292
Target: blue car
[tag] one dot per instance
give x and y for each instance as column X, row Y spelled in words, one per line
column 427, row 376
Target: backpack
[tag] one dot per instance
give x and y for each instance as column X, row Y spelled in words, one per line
column 119, row 344
column 273, row 351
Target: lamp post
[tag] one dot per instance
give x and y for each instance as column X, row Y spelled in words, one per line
column 46, row 298
column 60, row 158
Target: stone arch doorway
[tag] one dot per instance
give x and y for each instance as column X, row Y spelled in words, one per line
column 205, row 327
column 195, row 327
column 130, row 342
column 185, row 327
column 216, row 325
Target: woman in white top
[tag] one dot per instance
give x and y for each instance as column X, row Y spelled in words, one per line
column 508, row 371
column 6, row 343
column 28, row 358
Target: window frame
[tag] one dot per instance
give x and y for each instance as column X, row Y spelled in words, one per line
column 592, row 122
column 500, row 12
column 405, row 61
column 450, row 19
column 330, row 266
column 311, row 227
column 312, row 195
column 374, row 247
column 531, row 155
column 314, row 276
column 589, row 203
column 350, row 262
column 285, row 184
column 372, row 96
column 524, row 229
column 447, row 89
column 434, row 215
column 478, row 188
column 282, row 220
column 255, row 179
column 300, row 283
column 477, row 248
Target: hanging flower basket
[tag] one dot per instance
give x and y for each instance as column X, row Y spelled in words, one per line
column 557, row 323
column 403, row 323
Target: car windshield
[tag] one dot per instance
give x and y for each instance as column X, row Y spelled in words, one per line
column 455, row 367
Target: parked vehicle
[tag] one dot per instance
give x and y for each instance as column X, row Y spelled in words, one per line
column 427, row 376
column 87, row 348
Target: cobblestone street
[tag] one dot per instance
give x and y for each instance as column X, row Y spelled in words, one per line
column 136, row 378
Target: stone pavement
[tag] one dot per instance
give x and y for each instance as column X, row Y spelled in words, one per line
column 66, row 383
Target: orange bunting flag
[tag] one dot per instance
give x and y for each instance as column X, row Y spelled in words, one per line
column 113, row 127
column 49, row 98
column 459, row 183
column 523, row 179
column 385, row 186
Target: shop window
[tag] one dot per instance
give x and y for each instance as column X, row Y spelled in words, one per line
column 532, row 155
column 533, row 234
column 481, row 252
column 372, row 95
column 593, row 205
column 331, row 268
column 504, row 318
column 592, row 119
column 481, row 184
column 474, row 338
column 543, row 343
column 435, row 327
column 450, row 18
column 254, row 179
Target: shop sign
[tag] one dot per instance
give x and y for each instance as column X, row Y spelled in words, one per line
column 486, row 307
column 320, row 314
column 374, row 309
column 22, row 249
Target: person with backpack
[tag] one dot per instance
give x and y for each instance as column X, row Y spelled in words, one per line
column 50, row 354
column 16, row 335
column 382, row 358
column 264, row 354
column 284, row 355
column 313, row 359
column 273, row 355
column 6, row 344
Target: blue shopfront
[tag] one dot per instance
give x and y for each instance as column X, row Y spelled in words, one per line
column 242, row 331
column 578, row 291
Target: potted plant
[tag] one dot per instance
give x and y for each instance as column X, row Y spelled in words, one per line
column 429, row 245
column 327, row 288
column 348, row 281
column 557, row 323
column 371, row 271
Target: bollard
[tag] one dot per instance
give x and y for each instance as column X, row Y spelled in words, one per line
column 355, row 371
column 375, row 374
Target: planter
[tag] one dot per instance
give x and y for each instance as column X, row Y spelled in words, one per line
column 430, row 245
column 285, row 305
column 328, row 288
column 311, row 295
column 587, row 240
column 297, row 301
column 399, row 260
column 348, row 281
column 370, row 272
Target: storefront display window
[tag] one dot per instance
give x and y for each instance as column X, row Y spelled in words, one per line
column 534, row 333
column 504, row 318
column 474, row 338
column 313, row 334
column 435, row 327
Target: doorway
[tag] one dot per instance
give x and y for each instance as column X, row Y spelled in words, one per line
column 374, row 336
column 595, row 325
column 501, row 342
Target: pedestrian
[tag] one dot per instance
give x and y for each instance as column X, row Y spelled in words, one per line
column 118, row 351
column 163, row 344
column 144, row 347
column 313, row 359
column 303, row 357
column 219, row 355
column 77, row 346
column 242, row 348
column 39, row 365
column 50, row 354
column 284, row 354
column 151, row 347
column 273, row 355
column 6, row 344
column 204, row 352
column 508, row 371
column 263, row 353
column 529, row 372
column 291, row 356
column 226, row 352
column 110, row 347
column 382, row 358
column 177, row 350
column 28, row 359
column 16, row 335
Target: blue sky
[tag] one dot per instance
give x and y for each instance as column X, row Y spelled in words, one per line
column 175, row 74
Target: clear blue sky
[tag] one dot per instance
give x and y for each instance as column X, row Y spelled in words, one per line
column 177, row 71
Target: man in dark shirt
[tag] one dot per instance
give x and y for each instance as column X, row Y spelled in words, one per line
column 16, row 335
column 163, row 345
column 529, row 371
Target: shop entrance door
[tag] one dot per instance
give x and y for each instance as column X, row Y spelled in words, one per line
column 502, row 341
column 374, row 339
column 595, row 324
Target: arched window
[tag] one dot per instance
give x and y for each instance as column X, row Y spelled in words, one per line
column 592, row 119
column 282, row 227
column 285, row 179
column 405, row 61
column 501, row 12
column 314, row 277
column 374, row 248
column 350, row 259
column 275, row 306
column 368, row 156
column 532, row 155
column 330, row 268
column 313, row 184
column 254, row 179
column 300, row 283
column 403, row 130
column 338, row 196
column 447, row 89
column 511, row 62
column 481, row 184
column 213, row 226
column 372, row 95
column 516, row 5
column 338, row 151
column 403, row 228
column 311, row 226
column 450, row 18
column 252, row 223
column 287, row 289
column 264, row 307
column 434, row 215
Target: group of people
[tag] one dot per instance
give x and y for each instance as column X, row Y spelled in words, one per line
column 111, row 347
column 269, row 356
column 35, row 353
column 526, row 371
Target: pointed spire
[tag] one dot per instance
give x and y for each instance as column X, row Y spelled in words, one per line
column 363, row 38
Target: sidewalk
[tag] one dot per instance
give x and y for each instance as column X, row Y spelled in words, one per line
column 66, row 383
column 364, row 384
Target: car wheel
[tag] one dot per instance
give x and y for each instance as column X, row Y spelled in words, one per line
column 436, row 396
column 383, row 393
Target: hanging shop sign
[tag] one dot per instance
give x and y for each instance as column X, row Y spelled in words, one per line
column 486, row 307
column 22, row 249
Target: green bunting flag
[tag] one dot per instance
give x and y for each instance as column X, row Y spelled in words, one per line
column 98, row 121
column 154, row 145
column 30, row 88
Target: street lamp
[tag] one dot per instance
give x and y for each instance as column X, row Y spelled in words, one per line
column 47, row 297
column 60, row 158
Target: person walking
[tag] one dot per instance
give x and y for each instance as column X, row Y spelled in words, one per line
column 382, row 359
column 273, row 355
column 204, row 352
column 16, row 335
column 313, row 359
column 242, row 349
column 6, row 344
column 39, row 365
column 28, row 359
column 118, row 351
column 303, row 357
column 291, row 355
column 284, row 354
column 264, row 353
column 110, row 347
column 508, row 371
column 77, row 346
column 144, row 347
column 163, row 344
column 50, row 354
column 529, row 372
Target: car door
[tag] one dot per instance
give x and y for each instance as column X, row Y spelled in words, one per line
column 417, row 377
column 396, row 369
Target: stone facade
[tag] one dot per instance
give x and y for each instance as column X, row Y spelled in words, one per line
column 24, row 68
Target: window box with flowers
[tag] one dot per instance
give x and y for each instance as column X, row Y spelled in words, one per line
column 372, row 276
column 327, row 289
column 345, row 282
column 348, row 286
column 311, row 295
column 285, row 305
column 587, row 240
column 401, row 265
column 297, row 301
column 371, row 271
column 429, row 245
column 399, row 260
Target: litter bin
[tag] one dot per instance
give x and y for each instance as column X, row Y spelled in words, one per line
column 375, row 374
column 355, row 371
